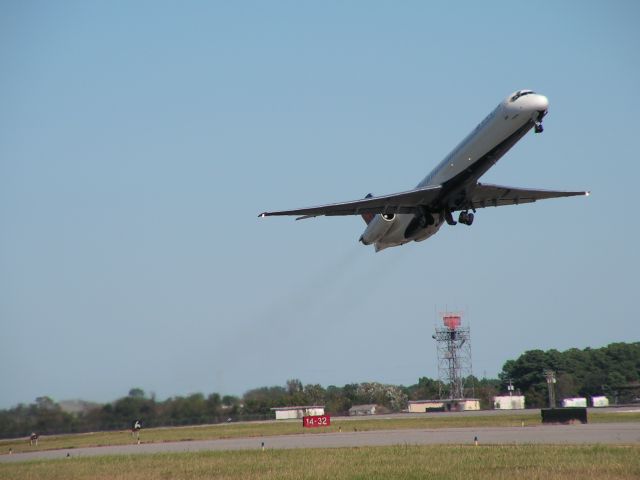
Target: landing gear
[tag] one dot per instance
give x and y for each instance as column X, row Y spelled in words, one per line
column 466, row 218
column 449, row 218
column 538, row 125
column 425, row 218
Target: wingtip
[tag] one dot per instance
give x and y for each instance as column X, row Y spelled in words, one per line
column 262, row 215
column 587, row 193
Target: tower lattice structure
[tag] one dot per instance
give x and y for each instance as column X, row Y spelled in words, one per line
column 454, row 356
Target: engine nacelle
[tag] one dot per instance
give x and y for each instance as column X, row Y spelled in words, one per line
column 377, row 229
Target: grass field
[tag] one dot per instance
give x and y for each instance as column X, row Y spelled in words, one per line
column 402, row 462
column 254, row 429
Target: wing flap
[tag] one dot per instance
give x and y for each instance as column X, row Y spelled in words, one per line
column 403, row 202
column 484, row 195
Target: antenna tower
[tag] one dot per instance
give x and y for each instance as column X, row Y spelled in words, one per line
column 454, row 355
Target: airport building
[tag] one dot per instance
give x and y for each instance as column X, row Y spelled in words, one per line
column 444, row 405
column 358, row 410
column 508, row 402
column 288, row 413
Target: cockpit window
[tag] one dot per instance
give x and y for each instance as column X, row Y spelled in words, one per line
column 521, row 93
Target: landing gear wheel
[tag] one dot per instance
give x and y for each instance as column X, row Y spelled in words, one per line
column 465, row 218
column 538, row 128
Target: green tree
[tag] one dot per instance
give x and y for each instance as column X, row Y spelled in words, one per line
column 213, row 405
column 262, row 400
column 294, row 386
column 426, row 389
column 485, row 390
column 336, row 402
column 585, row 372
column 136, row 393
column 567, row 385
column 230, row 400
column 314, row 394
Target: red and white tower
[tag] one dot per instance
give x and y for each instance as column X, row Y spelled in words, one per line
column 454, row 356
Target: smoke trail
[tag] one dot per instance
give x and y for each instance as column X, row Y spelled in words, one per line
column 315, row 289
column 341, row 285
column 369, row 282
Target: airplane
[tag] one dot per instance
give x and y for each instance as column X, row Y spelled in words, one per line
column 452, row 186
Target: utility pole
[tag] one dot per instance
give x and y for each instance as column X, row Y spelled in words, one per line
column 550, row 375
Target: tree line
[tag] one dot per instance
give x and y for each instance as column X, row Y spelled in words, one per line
column 613, row 371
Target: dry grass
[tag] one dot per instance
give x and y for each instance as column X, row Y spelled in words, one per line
column 402, row 462
column 255, row 429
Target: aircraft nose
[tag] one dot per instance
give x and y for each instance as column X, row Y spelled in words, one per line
column 540, row 103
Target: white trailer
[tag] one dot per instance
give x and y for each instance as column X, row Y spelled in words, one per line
column 574, row 402
column 600, row 401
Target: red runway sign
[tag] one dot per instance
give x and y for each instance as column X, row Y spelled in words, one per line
column 316, row 421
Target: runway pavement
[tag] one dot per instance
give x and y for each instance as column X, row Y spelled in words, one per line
column 603, row 433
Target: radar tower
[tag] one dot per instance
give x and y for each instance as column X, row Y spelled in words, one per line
column 454, row 356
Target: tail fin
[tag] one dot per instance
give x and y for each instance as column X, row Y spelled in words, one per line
column 367, row 217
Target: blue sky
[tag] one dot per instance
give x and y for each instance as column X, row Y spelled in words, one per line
column 140, row 140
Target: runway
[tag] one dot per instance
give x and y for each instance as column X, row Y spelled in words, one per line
column 601, row 433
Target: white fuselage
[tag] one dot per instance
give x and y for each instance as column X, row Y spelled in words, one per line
column 502, row 128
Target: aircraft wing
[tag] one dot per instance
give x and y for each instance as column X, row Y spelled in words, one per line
column 496, row 195
column 403, row 202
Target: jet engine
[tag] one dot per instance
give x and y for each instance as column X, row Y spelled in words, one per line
column 378, row 227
